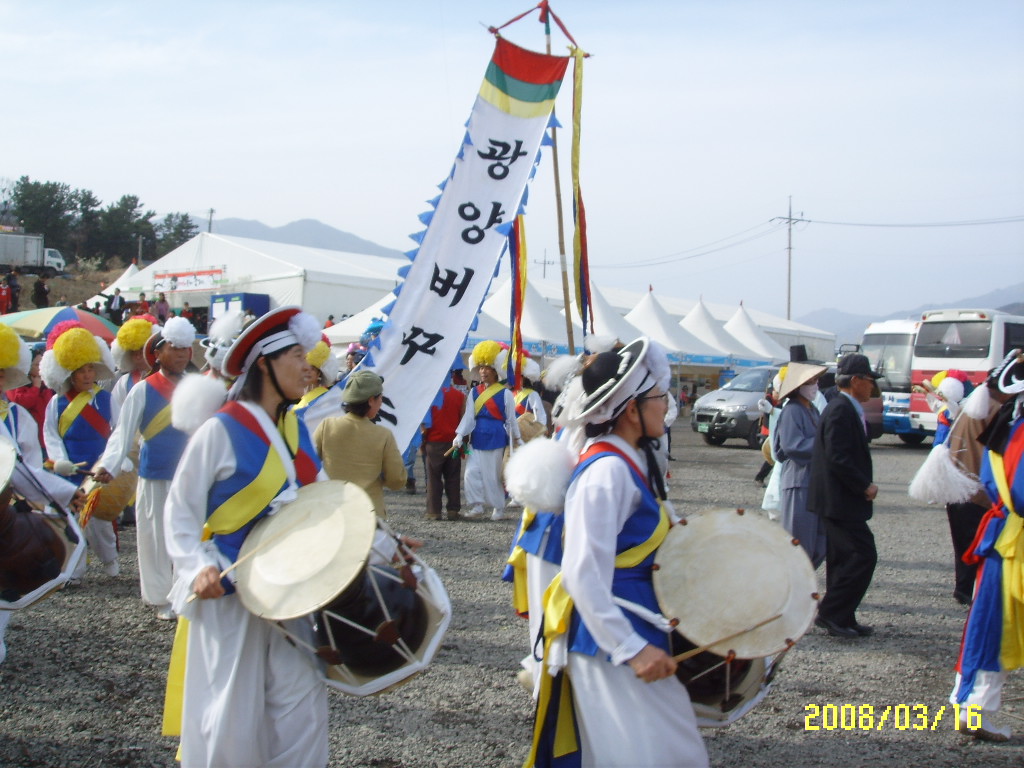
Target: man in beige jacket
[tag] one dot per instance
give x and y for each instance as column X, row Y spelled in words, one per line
column 355, row 449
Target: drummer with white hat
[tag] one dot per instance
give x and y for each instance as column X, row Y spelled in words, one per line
column 626, row 703
column 250, row 697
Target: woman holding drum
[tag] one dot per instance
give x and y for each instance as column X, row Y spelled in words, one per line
column 250, row 697
column 617, row 678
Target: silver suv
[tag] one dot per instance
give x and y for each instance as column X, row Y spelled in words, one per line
column 732, row 410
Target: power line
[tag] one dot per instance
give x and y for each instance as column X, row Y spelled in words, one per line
column 966, row 223
column 687, row 254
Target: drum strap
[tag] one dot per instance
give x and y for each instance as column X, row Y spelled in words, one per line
column 558, row 607
column 82, row 406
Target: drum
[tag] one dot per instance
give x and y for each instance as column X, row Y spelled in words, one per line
column 529, row 427
column 326, row 557
column 39, row 552
column 105, row 502
column 740, row 587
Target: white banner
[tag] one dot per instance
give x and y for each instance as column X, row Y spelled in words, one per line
column 466, row 233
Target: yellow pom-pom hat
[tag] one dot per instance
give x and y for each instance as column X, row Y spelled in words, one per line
column 131, row 337
column 15, row 358
column 484, row 353
column 73, row 349
column 320, row 357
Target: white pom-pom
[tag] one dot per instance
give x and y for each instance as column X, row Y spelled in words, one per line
column 179, row 332
column 978, row 403
column 940, row 481
column 106, row 359
column 601, row 342
column 537, row 475
column 196, row 399
column 306, row 329
column 226, row 327
column 53, row 373
column 657, row 363
column 64, row 467
column 559, row 371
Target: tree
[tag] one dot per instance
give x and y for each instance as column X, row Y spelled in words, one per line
column 46, row 208
column 176, row 229
column 86, row 232
column 121, row 226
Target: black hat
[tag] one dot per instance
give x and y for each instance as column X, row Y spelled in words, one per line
column 855, row 364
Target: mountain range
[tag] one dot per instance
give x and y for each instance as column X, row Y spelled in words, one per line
column 848, row 327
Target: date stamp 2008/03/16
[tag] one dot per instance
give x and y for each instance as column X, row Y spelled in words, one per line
column 901, row 717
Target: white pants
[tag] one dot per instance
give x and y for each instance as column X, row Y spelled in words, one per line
column 155, row 570
column 251, row 697
column 539, row 573
column 482, row 483
column 987, row 692
column 102, row 541
column 5, row 617
column 628, row 723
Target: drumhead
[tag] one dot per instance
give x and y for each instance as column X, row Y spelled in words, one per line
column 724, row 571
column 301, row 558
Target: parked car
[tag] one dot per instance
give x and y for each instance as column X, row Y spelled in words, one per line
column 731, row 412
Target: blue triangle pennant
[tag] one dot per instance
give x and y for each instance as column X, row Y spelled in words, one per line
column 411, row 255
column 425, row 217
column 434, row 201
column 368, row 359
column 547, row 141
column 418, row 236
column 553, row 122
column 403, row 272
column 504, row 228
column 386, row 309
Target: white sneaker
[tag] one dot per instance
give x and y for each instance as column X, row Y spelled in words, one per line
column 987, row 731
column 475, row 513
column 165, row 613
column 497, row 514
column 113, row 568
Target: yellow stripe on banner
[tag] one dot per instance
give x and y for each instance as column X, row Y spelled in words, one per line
column 486, row 395
column 515, row 107
column 174, row 695
column 160, row 422
column 1010, row 546
column 74, row 409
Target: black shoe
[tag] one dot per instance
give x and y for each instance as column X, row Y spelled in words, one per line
column 863, row 629
column 962, row 597
column 835, row 630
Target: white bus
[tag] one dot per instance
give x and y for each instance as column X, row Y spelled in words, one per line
column 971, row 340
column 889, row 346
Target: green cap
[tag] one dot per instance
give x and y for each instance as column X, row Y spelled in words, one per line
column 361, row 386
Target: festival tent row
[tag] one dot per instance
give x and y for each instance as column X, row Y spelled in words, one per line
column 703, row 325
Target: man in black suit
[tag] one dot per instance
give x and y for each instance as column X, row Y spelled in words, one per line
column 841, row 492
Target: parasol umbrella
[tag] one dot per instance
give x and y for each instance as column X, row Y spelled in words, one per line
column 34, row 324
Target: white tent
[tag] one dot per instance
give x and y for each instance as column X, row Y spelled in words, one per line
column 351, row 328
column 607, row 320
column 655, row 322
column 701, row 324
column 541, row 321
column 742, row 326
column 322, row 281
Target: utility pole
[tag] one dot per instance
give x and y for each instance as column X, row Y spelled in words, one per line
column 789, row 255
column 209, row 222
column 544, row 264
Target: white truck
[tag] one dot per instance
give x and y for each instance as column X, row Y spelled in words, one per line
column 27, row 254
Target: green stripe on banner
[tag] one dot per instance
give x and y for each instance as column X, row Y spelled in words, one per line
column 518, row 89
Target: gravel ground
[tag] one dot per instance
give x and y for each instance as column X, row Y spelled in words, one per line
column 83, row 681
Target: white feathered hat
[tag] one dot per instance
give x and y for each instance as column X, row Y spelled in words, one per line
column 71, row 350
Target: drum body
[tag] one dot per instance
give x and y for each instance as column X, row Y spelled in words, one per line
column 38, row 554
column 115, row 495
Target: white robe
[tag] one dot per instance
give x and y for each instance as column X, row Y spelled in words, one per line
column 482, row 483
column 623, row 721
column 251, row 698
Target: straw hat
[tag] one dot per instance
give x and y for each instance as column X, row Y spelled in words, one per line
column 798, row 374
column 302, row 557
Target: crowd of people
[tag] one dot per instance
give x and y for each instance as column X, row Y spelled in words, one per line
column 216, row 453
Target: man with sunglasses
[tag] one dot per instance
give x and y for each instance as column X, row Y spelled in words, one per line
column 842, row 492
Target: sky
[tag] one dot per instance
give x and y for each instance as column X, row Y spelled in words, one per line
column 700, row 121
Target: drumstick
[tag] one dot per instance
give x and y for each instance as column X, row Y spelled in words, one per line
column 701, row 649
column 254, row 551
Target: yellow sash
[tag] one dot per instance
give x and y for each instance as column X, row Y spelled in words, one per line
column 254, row 497
column 310, row 396
column 517, row 559
column 486, row 395
column 557, row 614
column 522, row 394
column 174, row 696
column 1010, row 546
column 160, row 422
column 74, row 409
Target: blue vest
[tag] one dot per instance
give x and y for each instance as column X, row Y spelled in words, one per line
column 81, row 441
column 159, row 455
column 633, row 584
column 250, row 454
column 489, row 433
